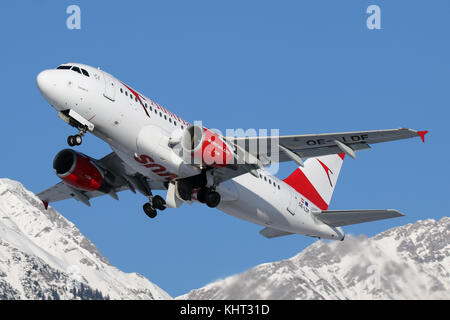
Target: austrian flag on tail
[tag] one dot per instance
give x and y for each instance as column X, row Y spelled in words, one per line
column 317, row 179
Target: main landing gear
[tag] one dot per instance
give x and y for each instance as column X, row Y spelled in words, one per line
column 208, row 196
column 156, row 202
column 77, row 139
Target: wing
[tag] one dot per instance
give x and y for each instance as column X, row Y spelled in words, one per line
column 120, row 177
column 314, row 145
column 339, row 218
column 62, row 191
column 255, row 152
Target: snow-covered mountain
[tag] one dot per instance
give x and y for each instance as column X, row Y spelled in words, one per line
column 44, row 256
column 408, row 262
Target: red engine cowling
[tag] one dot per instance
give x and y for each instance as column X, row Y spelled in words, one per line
column 78, row 171
column 206, row 147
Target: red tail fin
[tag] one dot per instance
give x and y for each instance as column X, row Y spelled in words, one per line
column 317, row 179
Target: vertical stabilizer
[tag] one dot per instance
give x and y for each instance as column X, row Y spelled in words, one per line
column 317, row 179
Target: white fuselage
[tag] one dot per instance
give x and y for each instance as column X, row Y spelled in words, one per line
column 139, row 130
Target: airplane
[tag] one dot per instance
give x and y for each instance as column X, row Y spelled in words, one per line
column 154, row 149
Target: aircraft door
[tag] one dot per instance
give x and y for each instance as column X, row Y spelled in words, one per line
column 293, row 203
column 110, row 88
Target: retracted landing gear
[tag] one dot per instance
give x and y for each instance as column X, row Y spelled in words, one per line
column 156, row 202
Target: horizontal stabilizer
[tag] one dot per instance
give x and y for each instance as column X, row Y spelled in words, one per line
column 270, row 233
column 339, row 218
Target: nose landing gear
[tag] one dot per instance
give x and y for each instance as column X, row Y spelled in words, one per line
column 77, row 121
column 77, row 139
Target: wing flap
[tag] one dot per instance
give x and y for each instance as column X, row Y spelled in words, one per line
column 58, row 192
column 339, row 218
column 270, row 233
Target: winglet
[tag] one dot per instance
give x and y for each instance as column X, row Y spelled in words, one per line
column 45, row 204
column 422, row 135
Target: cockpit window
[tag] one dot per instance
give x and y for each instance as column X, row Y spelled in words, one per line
column 76, row 69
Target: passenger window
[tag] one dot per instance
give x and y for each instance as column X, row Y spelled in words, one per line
column 160, row 114
column 165, row 117
column 270, row 182
column 85, row 72
column 135, row 98
column 170, row 120
column 121, row 90
column 265, row 178
column 156, row 111
column 175, row 123
column 76, row 69
column 131, row 96
column 126, row 93
column 182, row 127
column 278, row 187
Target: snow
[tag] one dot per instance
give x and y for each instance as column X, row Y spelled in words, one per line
column 43, row 255
column 408, row 262
column 41, row 252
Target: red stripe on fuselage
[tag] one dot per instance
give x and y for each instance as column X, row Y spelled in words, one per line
column 302, row 185
column 137, row 97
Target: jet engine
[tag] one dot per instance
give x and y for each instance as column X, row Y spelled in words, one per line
column 205, row 147
column 80, row 171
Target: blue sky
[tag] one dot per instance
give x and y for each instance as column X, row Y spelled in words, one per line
column 300, row 66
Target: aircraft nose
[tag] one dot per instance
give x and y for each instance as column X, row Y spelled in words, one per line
column 43, row 81
column 47, row 82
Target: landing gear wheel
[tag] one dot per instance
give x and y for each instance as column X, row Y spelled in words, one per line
column 159, row 203
column 70, row 141
column 149, row 210
column 212, row 199
column 78, row 139
column 201, row 195
column 75, row 140
column 185, row 191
